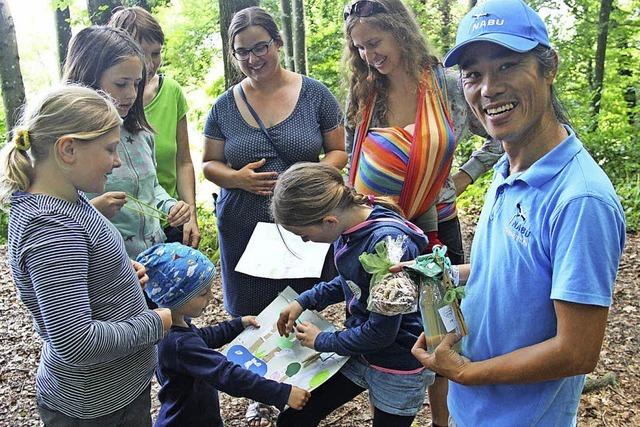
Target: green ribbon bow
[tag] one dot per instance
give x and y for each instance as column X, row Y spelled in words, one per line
column 433, row 265
column 377, row 264
column 454, row 293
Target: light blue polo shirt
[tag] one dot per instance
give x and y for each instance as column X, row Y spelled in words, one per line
column 553, row 232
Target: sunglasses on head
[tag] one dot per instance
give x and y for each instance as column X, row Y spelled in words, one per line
column 363, row 8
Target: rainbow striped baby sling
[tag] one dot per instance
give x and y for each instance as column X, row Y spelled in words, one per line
column 409, row 166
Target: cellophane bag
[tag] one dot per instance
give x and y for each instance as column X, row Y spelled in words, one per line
column 389, row 293
column 438, row 303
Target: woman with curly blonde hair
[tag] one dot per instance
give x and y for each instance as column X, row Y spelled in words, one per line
column 364, row 77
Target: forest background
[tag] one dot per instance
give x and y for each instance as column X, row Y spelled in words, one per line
column 599, row 82
column 598, row 42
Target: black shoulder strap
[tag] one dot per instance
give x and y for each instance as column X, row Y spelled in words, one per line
column 262, row 126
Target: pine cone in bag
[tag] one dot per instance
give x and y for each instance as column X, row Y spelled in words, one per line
column 394, row 294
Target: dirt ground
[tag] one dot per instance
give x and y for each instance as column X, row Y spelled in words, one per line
column 613, row 405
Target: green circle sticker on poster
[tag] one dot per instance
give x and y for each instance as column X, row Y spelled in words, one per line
column 319, row 378
column 293, row 369
column 284, row 342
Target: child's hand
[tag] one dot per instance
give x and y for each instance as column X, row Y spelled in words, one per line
column 287, row 318
column 110, row 203
column 399, row 266
column 191, row 231
column 179, row 214
column 298, row 398
column 306, row 333
column 141, row 273
column 250, row 321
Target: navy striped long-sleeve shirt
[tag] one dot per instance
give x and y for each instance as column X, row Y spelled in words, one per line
column 72, row 272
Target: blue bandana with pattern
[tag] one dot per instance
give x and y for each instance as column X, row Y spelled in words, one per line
column 176, row 273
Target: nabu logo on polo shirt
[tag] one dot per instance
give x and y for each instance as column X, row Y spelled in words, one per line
column 518, row 228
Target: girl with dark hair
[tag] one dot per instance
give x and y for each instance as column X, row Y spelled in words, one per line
column 109, row 59
column 165, row 106
column 255, row 131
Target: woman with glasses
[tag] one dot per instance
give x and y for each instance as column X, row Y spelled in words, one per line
column 403, row 120
column 254, row 131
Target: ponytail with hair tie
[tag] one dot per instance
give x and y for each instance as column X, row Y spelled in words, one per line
column 21, row 139
column 371, row 200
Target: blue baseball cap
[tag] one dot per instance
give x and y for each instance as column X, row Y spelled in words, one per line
column 177, row 273
column 509, row 23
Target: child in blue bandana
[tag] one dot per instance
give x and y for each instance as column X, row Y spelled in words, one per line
column 190, row 371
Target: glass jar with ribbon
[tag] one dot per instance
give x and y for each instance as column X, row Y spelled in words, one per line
column 439, row 297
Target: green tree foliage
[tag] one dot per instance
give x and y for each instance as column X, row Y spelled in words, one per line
column 286, row 24
column 209, row 242
column 325, row 42
column 3, row 127
column 192, row 39
column 100, row 10
column 614, row 143
column 573, row 27
column 299, row 37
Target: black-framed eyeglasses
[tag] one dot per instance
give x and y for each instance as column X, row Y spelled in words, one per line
column 260, row 49
column 363, row 8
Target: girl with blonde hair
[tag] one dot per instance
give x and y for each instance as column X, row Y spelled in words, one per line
column 98, row 337
column 312, row 201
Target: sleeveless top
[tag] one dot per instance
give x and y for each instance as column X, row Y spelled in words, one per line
column 410, row 165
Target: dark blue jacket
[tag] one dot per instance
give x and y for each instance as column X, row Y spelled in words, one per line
column 191, row 373
column 383, row 341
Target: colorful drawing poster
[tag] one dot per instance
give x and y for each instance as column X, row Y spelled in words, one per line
column 283, row 359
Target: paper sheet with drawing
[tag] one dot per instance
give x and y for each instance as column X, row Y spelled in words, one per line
column 267, row 255
column 283, row 359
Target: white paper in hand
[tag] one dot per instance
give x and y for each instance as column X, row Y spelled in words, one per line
column 266, row 255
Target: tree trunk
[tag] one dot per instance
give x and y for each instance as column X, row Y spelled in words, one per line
column 63, row 33
column 100, row 10
column 287, row 34
column 142, row 3
column 12, row 86
column 445, row 32
column 227, row 9
column 629, row 93
column 299, row 45
column 601, row 50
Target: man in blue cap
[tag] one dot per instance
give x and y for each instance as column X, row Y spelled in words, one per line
column 548, row 242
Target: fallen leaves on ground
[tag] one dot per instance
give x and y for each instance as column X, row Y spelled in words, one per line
column 610, row 406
